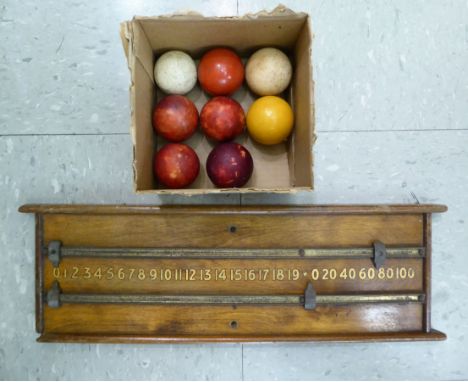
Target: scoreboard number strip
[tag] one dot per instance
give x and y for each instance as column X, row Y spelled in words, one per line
column 135, row 274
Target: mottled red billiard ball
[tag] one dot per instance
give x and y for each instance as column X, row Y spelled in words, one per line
column 222, row 119
column 176, row 165
column 229, row 165
column 175, row 118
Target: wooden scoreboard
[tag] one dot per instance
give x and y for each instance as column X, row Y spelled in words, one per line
column 193, row 274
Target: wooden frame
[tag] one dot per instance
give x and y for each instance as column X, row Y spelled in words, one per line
column 266, row 227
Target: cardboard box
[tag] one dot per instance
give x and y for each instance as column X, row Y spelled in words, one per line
column 282, row 168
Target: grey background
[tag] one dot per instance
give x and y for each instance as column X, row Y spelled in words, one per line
column 391, row 103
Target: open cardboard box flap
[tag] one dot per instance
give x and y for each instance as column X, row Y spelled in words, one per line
column 282, row 168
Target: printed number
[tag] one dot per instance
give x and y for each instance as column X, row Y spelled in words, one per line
column 293, row 274
column 110, row 273
column 325, row 274
column 153, row 274
column 205, row 274
column 343, row 274
column 121, row 273
column 75, row 273
column 264, row 274
column 192, row 275
column 403, row 273
column 56, row 273
column 87, row 273
column 362, row 274
column 166, row 275
column 381, row 274
column 98, row 273
column 279, row 274
column 329, row 274
column 315, row 274
column 389, row 273
column 141, row 274
column 237, row 275
column 221, row 275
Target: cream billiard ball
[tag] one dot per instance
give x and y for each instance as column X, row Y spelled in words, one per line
column 268, row 71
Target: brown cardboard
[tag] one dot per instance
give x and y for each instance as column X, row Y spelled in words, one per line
column 282, row 168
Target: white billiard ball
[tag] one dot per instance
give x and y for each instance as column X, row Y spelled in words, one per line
column 175, row 72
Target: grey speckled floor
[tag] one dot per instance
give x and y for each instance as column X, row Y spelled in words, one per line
column 392, row 124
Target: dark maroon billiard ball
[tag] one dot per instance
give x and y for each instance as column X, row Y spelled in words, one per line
column 229, row 165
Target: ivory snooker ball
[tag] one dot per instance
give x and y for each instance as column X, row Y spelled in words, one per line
column 268, row 72
column 175, row 72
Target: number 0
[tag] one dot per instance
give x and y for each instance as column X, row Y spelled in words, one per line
column 315, row 274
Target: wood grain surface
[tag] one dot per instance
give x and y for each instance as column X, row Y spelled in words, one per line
column 433, row 335
column 217, row 320
column 233, row 227
column 339, row 209
column 233, row 231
